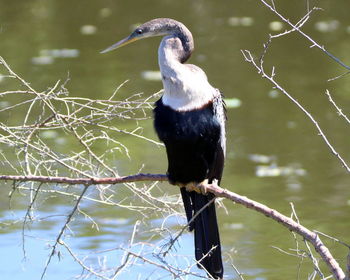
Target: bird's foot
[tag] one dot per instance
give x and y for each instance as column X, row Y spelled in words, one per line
column 215, row 182
column 203, row 187
column 198, row 188
column 190, row 187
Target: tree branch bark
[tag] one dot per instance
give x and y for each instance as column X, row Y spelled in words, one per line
column 287, row 222
column 309, row 235
column 86, row 181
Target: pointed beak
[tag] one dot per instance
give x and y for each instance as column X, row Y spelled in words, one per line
column 121, row 43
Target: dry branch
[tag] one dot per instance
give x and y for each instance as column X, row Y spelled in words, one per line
column 312, row 237
column 287, row 222
column 259, row 64
column 271, row 78
column 296, row 27
column 86, row 181
column 81, row 115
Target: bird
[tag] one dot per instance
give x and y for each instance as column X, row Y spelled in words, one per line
column 189, row 119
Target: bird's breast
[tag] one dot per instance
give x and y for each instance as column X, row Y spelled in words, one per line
column 186, row 92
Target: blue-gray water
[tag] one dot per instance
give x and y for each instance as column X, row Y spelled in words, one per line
column 265, row 124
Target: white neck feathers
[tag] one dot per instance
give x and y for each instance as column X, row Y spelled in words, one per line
column 185, row 85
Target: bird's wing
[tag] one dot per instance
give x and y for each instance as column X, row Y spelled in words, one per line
column 220, row 114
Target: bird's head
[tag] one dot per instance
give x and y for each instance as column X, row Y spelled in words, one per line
column 152, row 28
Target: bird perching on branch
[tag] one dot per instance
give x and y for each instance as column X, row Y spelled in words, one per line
column 190, row 120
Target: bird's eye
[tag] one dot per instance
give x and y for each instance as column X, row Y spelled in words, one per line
column 139, row 31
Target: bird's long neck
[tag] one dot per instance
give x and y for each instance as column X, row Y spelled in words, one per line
column 176, row 47
column 170, row 55
column 186, row 39
column 185, row 86
column 178, row 30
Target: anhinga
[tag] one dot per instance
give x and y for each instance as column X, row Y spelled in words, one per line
column 190, row 120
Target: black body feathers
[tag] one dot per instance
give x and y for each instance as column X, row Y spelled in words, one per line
column 195, row 153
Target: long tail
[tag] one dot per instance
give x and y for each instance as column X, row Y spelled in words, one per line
column 206, row 231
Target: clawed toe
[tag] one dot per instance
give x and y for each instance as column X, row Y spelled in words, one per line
column 198, row 188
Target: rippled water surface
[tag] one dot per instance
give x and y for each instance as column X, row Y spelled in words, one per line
column 274, row 152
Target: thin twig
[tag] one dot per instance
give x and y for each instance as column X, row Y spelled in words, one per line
column 58, row 239
column 340, row 111
column 312, row 237
column 173, row 241
column 80, row 262
column 314, row 43
column 249, row 58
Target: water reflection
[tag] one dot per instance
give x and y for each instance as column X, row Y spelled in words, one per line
column 48, row 41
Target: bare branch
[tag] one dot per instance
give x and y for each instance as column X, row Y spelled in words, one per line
column 86, row 181
column 340, row 111
column 295, row 27
column 249, row 58
column 41, row 162
column 81, row 262
column 310, row 236
column 58, row 239
column 172, row 242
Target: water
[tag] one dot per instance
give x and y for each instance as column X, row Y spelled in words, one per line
column 267, row 135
